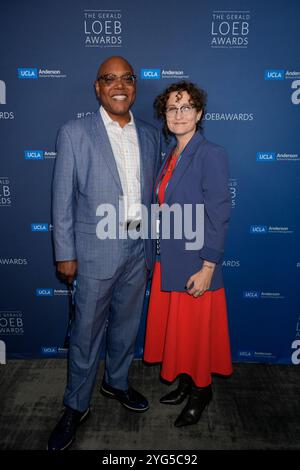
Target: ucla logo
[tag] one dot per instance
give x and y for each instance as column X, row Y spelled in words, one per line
column 39, row 227
column 274, row 74
column 245, row 353
column 258, row 229
column 44, row 292
column 2, row 92
column 34, row 154
column 150, row 74
column 49, row 349
column 27, row 73
column 265, row 156
column 251, row 294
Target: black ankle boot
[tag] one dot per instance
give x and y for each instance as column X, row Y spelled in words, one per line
column 198, row 401
column 177, row 396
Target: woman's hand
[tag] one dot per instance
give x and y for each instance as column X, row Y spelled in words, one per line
column 200, row 281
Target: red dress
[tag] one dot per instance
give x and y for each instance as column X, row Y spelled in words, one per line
column 186, row 334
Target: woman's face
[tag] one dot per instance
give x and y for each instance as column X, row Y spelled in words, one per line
column 180, row 115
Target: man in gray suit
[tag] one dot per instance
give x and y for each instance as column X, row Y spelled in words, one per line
column 106, row 159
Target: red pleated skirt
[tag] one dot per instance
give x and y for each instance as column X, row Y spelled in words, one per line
column 187, row 334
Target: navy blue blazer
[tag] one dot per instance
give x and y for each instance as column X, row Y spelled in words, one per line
column 202, row 177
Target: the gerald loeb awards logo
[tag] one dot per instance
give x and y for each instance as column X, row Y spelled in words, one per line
column 5, row 191
column 103, row 28
column 230, row 29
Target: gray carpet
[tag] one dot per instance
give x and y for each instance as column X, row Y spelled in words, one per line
column 257, row 408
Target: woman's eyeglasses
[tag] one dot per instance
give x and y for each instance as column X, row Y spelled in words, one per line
column 185, row 110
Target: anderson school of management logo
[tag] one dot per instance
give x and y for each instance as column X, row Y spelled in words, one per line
column 34, row 73
column 158, row 74
column 39, row 154
column 266, row 157
column 268, row 229
column 281, row 74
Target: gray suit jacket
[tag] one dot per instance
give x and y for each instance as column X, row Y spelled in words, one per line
column 86, row 176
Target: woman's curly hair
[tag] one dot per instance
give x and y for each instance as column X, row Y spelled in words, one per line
column 197, row 99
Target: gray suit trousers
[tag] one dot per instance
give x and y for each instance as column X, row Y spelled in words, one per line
column 114, row 305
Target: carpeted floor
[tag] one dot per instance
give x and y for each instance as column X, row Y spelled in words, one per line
column 257, row 408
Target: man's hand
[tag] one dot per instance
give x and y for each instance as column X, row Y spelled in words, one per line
column 67, row 270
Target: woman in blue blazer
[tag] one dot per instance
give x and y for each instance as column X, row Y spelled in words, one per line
column 187, row 328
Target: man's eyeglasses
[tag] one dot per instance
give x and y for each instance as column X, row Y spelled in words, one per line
column 110, row 79
column 184, row 110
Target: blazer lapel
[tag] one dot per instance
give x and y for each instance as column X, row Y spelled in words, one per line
column 184, row 163
column 164, row 158
column 104, row 148
column 145, row 161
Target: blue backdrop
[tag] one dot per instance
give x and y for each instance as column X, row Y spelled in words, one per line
column 244, row 53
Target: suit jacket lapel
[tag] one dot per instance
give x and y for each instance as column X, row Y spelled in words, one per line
column 145, row 163
column 104, row 148
column 183, row 164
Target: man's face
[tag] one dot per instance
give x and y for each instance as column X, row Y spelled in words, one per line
column 116, row 89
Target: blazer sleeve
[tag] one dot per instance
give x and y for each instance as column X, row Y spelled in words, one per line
column 217, row 204
column 64, row 199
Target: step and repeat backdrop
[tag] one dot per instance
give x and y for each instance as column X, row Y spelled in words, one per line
column 245, row 54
